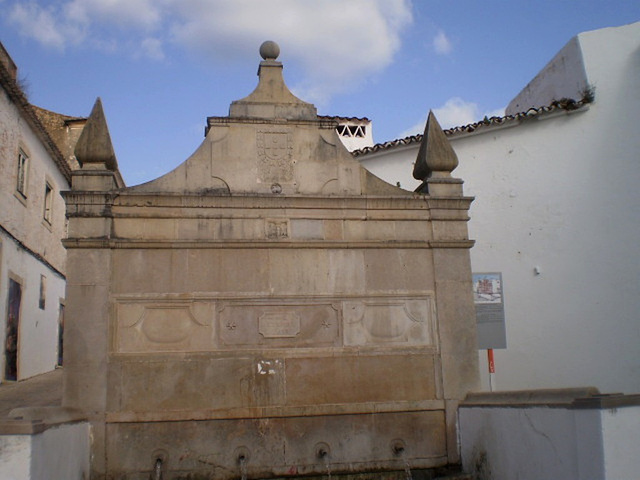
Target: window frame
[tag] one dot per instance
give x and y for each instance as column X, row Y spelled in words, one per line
column 22, row 174
column 47, row 212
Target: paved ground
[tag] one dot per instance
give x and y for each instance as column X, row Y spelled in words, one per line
column 41, row 391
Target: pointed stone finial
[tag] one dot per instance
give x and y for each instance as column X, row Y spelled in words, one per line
column 436, row 153
column 94, row 145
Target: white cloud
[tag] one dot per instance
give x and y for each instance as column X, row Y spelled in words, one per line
column 38, row 23
column 87, row 22
column 337, row 44
column 144, row 14
column 441, row 44
column 152, row 48
column 455, row 112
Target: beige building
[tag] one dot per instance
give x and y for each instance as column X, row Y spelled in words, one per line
column 35, row 166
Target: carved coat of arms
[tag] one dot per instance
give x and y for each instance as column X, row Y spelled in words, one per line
column 275, row 163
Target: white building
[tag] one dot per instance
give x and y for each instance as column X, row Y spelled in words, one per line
column 557, row 213
column 355, row 133
column 33, row 172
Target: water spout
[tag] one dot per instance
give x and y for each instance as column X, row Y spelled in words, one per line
column 322, row 453
column 157, row 469
column 398, row 448
column 407, row 470
column 242, row 461
column 242, row 458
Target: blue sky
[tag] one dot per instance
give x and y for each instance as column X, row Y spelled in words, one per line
column 162, row 66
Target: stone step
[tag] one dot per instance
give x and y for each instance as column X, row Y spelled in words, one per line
column 443, row 473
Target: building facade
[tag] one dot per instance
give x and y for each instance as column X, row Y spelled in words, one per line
column 33, row 172
column 557, row 213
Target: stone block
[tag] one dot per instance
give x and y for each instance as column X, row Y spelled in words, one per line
column 359, row 379
column 89, row 267
column 86, row 329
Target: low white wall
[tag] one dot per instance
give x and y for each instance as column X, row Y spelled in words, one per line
column 621, row 436
column 15, row 457
column 530, row 437
column 61, row 452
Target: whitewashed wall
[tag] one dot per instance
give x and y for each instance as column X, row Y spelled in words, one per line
column 61, row 452
column 38, row 335
column 23, row 220
column 532, row 442
column 560, row 194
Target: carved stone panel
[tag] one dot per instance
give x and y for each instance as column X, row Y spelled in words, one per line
column 388, row 321
column 275, row 152
column 277, row 324
column 276, row 228
column 164, row 326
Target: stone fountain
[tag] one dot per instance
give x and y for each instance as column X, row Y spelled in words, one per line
column 269, row 308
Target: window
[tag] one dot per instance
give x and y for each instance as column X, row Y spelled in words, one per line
column 43, row 292
column 23, row 167
column 11, row 331
column 60, row 333
column 48, row 203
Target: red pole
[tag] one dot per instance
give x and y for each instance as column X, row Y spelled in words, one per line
column 492, row 368
column 492, row 365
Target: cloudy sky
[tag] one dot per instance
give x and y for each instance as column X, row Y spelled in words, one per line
column 162, row 66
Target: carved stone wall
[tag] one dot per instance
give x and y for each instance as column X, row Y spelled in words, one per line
column 266, row 300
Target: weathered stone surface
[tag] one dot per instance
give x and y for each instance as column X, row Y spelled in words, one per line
column 280, row 446
column 266, row 297
column 436, row 153
column 94, row 144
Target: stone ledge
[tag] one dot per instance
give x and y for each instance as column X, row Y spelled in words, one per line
column 275, row 412
column 607, row 401
column 35, row 420
column 563, row 397
column 21, row 427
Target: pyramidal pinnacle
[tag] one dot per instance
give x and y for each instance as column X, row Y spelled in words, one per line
column 436, row 153
column 94, row 144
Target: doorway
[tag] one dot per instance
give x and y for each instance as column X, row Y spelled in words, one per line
column 11, row 332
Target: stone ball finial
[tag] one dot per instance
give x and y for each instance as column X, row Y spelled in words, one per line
column 269, row 50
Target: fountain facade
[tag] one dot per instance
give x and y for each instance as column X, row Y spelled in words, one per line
column 268, row 308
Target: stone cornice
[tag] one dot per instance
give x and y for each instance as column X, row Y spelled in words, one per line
column 121, row 243
column 153, row 202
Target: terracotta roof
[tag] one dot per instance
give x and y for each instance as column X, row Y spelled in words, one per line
column 17, row 96
column 560, row 105
column 56, row 125
column 343, row 119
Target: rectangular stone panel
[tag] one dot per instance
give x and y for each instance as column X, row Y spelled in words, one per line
column 316, row 271
column 164, row 326
column 196, row 383
column 361, row 378
column 371, row 438
column 278, row 324
column 190, row 270
column 277, row 447
column 389, row 321
column 398, row 270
